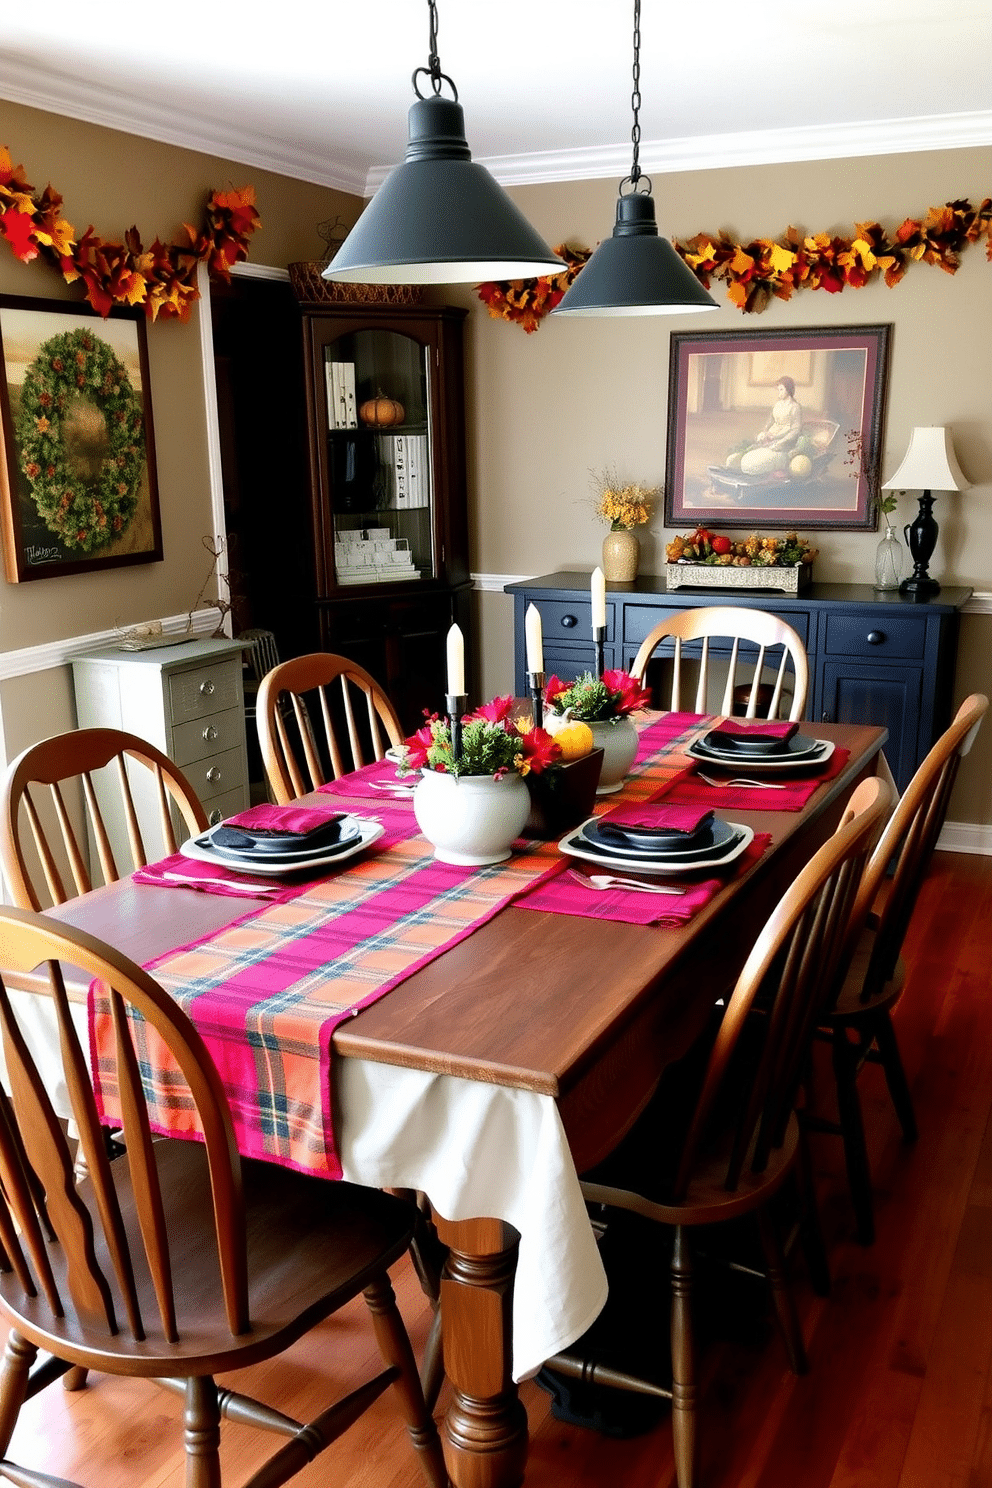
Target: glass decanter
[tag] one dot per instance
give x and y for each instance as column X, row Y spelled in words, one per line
column 890, row 559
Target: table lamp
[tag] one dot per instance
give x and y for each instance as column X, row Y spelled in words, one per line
column 930, row 465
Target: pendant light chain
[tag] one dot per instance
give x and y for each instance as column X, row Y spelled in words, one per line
column 635, row 98
column 433, row 68
column 433, row 60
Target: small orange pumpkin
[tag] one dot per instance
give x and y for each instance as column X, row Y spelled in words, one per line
column 381, row 412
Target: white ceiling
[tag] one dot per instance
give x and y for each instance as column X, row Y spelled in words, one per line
column 321, row 90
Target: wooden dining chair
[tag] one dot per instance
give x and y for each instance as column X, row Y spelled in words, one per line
column 181, row 1260
column 742, row 1139
column 326, row 695
column 116, row 773
column 767, row 632
column 859, row 1023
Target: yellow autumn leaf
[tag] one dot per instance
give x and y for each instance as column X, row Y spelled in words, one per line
column 742, row 262
column 863, row 249
column 781, row 259
column 60, row 235
column 737, row 294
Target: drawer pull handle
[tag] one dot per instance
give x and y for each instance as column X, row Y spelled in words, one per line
column 213, row 774
column 207, row 688
column 209, row 733
column 875, row 637
column 569, row 621
column 215, row 817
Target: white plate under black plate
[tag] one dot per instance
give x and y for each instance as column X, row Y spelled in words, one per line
column 201, row 849
column 339, row 831
column 574, row 845
column 811, row 758
column 714, row 840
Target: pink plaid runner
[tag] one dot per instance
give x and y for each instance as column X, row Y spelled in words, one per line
column 267, row 992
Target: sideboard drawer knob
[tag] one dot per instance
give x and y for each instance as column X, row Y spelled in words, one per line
column 209, row 733
column 213, row 774
column 207, row 688
column 569, row 621
column 875, row 637
column 215, row 817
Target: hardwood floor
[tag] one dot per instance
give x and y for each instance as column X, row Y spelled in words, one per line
column 900, row 1389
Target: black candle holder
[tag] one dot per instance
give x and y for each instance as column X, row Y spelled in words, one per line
column 535, row 686
column 921, row 538
column 455, row 704
column 599, row 641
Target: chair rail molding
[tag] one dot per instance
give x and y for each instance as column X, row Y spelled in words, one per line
column 28, row 659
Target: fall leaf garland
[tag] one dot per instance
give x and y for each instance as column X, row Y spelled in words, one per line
column 766, row 268
column 162, row 277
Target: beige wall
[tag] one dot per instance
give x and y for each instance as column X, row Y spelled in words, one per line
column 543, row 410
column 578, row 395
column 113, row 180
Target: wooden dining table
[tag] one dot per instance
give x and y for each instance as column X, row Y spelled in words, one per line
column 584, row 1013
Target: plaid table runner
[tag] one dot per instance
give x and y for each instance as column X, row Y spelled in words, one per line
column 267, row 992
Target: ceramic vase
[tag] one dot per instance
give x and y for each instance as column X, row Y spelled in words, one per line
column 471, row 819
column 621, row 552
column 618, row 741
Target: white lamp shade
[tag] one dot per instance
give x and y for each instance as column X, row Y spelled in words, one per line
column 930, row 464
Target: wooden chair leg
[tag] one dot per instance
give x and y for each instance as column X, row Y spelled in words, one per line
column 432, row 1368
column 201, row 1421
column 895, row 1076
column 684, row 1388
column 18, row 1357
column 76, row 1378
column 845, row 1062
column 785, row 1307
column 810, row 1228
column 394, row 1345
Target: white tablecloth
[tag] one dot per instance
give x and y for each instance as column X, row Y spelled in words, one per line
column 478, row 1151
column 482, row 1151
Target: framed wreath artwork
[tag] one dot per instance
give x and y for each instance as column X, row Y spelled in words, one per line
column 77, row 480
column 775, row 428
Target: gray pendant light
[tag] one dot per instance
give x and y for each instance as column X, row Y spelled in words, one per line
column 635, row 272
column 439, row 218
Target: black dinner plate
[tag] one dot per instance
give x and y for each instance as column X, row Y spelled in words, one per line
column 652, row 839
column 732, row 746
column 350, row 833
column 339, row 829
column 719, row 837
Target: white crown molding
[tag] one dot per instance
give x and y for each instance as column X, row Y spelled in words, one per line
column 259, row 271
column 28, row 659
column 60, row 94
column 743, row 148
column 37, row 87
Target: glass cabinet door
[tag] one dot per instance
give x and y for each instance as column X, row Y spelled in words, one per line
column 379, row 457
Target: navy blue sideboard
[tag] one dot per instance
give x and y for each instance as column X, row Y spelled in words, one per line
column 873, row 657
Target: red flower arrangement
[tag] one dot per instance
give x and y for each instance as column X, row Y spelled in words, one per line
column 491, row 744
column 591, row 699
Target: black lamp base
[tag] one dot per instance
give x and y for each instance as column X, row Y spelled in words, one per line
column 921, row 538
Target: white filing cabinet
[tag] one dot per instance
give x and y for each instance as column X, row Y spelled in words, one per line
column 187, row 699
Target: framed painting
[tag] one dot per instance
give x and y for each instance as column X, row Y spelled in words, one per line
column 77, row 478
column 775, row 428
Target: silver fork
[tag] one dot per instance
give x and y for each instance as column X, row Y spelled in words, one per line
column 741, row 780
column 612, row 881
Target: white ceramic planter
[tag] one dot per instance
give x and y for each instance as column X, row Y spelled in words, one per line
column 618, row 742
column 471, row 819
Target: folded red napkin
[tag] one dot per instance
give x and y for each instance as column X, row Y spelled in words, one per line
column 564, row 894
column 283, row 819
column 756, row 730
column 180, row 872
column 666, row 815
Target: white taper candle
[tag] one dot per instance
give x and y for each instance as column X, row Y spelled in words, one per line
column 598, row 598
column 456, row 662
column 534, row 638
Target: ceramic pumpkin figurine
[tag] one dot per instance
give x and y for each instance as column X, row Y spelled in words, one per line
column 381, row 412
